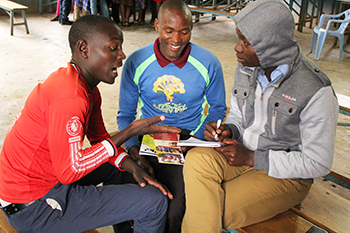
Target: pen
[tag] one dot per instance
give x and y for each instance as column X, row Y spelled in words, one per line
column 218, row 123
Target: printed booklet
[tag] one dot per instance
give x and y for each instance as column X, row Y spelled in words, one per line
column 164, row 146
column 167, row 147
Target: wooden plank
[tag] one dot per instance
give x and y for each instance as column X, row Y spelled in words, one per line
column 335, row 188
column 344, row 102
column 5, row 226
column 325, row 209
column 12, row 5
column 287, row 222
column 341, row 165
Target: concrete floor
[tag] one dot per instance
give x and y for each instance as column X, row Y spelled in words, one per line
column 27, row 59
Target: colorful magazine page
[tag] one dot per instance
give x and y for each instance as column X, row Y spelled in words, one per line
column 166, row 149
column 147, row 146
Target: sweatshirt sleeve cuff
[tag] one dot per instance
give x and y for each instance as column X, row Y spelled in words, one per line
column 118, row 159
column 110, row 147
column 234, row 130
column 261, row 160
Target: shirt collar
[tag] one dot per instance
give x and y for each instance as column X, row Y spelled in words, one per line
column 164, row 62
column 279, row 72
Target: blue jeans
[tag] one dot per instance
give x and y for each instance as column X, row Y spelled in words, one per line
column 82, row 206
column 103, row 6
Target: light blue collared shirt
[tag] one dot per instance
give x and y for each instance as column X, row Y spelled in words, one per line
column 275, row 75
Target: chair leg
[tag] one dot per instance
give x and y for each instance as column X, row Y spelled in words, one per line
column 40, row 6
column 320, row 41
column 341, row 38
column 12, row 15
column 25, row 21
column 314, row 35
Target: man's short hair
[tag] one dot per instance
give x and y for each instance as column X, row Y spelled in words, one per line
column 85, row 28
column 178, row 5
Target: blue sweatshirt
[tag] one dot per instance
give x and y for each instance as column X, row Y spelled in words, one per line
column 179, row 90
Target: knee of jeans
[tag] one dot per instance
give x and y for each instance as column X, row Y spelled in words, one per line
column 156, row 198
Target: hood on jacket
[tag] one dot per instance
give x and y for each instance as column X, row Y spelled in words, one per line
column 269, row 27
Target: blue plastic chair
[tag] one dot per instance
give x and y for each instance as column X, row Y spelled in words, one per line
column 322, row 33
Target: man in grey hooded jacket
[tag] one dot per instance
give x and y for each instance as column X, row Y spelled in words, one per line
column 278, row 136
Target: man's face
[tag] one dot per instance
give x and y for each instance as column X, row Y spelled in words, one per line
column 174, row 30
column 105, row 54
column 244, row 51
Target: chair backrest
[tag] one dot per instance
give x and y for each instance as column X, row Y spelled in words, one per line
column 346, row 22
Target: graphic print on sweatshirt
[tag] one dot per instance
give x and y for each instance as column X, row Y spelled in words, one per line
column 169, row 85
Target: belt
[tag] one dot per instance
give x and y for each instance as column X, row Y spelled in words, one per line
column 13, row 208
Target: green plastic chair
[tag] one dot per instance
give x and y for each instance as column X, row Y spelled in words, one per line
column 321, row 33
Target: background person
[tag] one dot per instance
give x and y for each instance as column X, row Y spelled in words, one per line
column 104, row 9
column 65, row 7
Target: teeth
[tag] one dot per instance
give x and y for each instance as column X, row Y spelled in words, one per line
column 114, row 71
column 175, row 47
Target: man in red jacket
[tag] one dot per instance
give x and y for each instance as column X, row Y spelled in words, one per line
column 48, row 181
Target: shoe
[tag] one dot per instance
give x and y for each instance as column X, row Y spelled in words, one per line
column 138, row 23
column 151, row 24
column 126, row 24
column 54, row 18
column 67, row 22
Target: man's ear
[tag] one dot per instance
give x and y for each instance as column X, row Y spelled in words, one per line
column 82, row 48
column 156, row 24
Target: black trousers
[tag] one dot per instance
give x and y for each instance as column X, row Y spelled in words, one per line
column 65, row 7
column 171, row 176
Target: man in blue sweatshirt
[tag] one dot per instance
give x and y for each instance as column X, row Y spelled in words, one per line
column 177, row 79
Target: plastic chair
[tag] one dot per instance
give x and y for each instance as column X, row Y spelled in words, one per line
column 322, row 33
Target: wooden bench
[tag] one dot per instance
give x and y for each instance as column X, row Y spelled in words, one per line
column 5, row 227
column 199, row 10
column 344, row 107
column 321, row 208
column 10, row 8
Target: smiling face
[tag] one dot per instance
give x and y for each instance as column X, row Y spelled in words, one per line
column 102, row 54
column 174, row 28
column 244, row 51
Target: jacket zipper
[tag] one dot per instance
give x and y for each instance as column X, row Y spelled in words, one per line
column 273, row 122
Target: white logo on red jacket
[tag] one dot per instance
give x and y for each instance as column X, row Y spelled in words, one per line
column 74, row 126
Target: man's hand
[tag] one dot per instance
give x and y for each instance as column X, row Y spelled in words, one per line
column 211, row 130
column 236, row 153
column 146, row 126
column 142, row 177
column 141, row 127
column 140, row 160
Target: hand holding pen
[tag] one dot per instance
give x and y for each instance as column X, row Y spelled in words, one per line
column 216, row 131
column 218, row 124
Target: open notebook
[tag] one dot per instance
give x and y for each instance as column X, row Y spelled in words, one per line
column 192, row 141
